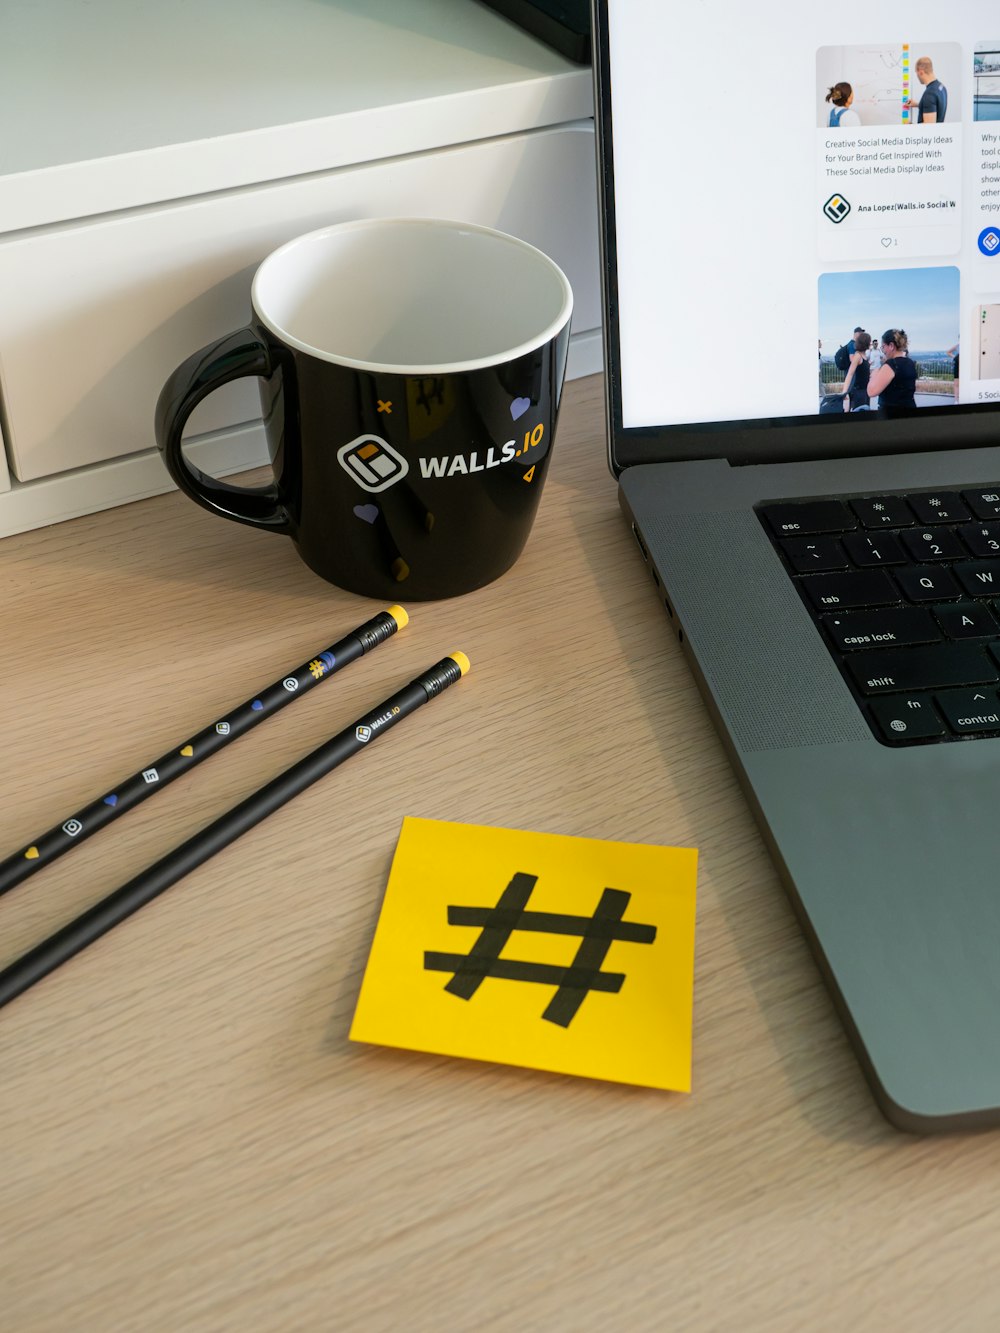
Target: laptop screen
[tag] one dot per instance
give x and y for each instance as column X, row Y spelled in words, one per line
column 796, row 198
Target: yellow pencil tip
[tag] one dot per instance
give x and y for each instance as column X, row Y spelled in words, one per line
column 398, row 615
column 462, row 660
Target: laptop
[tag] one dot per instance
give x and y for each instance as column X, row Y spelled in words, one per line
column 801, row 272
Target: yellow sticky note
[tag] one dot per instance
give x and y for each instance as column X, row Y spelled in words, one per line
column 569, row 954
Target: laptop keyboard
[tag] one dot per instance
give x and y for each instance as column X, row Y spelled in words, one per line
column 905, row 590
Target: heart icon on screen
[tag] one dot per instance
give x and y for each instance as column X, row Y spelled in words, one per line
column 367, row 512
column 886, row 241
column 519, row 406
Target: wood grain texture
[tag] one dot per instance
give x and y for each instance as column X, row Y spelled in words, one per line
column 189, row 1141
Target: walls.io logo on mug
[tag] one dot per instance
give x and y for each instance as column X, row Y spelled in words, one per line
column 372, row 462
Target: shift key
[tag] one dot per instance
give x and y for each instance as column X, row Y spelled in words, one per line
column 935, row 666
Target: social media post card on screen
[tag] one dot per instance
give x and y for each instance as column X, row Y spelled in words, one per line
column 986, row 131
column 980, row 367
column 979, row 373
column 869, row 317
column 889, row 156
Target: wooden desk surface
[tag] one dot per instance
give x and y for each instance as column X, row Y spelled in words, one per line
column 189, row 1141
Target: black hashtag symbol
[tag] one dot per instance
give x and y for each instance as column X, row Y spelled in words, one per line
column 573, row 982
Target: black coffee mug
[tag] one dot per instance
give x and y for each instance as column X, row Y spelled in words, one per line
column 411, row 371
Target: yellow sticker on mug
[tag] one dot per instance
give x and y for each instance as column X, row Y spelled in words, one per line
column 574, row 955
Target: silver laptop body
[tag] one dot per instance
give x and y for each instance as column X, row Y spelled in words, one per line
column 732, row 278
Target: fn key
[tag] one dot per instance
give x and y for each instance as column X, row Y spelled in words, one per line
column 907, row 717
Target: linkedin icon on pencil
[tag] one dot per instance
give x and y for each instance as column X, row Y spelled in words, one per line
column 410, row 374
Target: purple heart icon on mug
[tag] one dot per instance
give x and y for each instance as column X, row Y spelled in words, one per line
column 519, row 406
column 367, row 512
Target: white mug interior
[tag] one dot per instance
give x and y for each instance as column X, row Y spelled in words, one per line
column 411, row 295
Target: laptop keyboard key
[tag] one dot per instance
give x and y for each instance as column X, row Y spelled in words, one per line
column 907, row 717
column 927, row 584
column 892, row 627
column 984, row 504
column 875, row 549
column 809, row 555
column 809, row 517
column 979, row 578
column 939, row 507
column 968, row 620
column 856, row 588
column 970, row 711
column 928, row 544
column 883, row 511
column 936, row 666
column 982, row 539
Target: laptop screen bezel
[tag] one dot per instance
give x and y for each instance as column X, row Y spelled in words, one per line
column 786, row 439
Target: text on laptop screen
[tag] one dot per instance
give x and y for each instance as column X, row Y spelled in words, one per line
column 792, row 184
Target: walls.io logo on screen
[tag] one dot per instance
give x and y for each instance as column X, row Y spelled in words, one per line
column 836, row 208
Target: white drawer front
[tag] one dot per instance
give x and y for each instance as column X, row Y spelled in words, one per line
column 94, row 317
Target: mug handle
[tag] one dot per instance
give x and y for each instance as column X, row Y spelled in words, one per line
column 236, row 355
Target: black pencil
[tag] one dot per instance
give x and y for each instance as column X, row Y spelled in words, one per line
column 126, row 795
column 149, row 883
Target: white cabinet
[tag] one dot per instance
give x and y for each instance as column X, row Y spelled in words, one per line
column 96, row 315
column 125, row 245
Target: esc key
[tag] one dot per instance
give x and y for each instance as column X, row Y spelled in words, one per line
column 809, row 517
